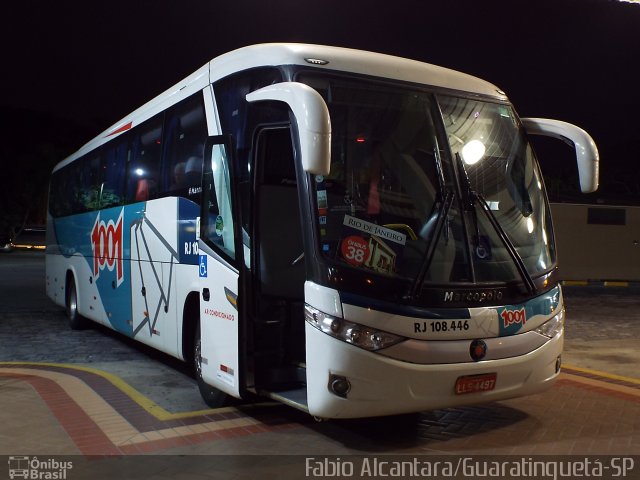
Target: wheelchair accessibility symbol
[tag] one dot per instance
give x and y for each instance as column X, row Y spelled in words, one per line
column 203, row 266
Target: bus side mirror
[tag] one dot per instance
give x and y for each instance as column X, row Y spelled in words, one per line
column 586, row 150
column 312, row 119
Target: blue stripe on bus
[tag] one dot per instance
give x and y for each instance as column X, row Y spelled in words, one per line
column 74, row 236
column 544, row 304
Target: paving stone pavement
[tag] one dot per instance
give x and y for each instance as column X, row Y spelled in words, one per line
column 602, row 329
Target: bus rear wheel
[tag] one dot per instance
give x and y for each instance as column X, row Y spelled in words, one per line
column 213, row 397
column 76, row 321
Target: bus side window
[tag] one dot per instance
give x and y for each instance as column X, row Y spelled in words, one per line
column 86, row 185
column 218, row 231
column 113, row 167
column 61, row 193
column 144, row 162
column 185, row 134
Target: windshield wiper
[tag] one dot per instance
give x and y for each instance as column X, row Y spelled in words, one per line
column 440, row 222
column 445, row 199
column 517, row 259
column 470, row 198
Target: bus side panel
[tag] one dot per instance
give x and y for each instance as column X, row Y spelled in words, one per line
column 125, row 262
column 53, row 266
column 185, row 282
column 219, row 326
column 102, row 280
column 161, row 240
column 185, row 277
column 57, row 266
column 153, row 259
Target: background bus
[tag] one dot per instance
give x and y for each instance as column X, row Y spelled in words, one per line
column 351, row 233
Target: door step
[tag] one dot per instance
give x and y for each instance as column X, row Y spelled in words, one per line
column 296, row 398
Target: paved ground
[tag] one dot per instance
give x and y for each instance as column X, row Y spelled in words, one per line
column 27, row 314
column 93, row 392
column 603, row 328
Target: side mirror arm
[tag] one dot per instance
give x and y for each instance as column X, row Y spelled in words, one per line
column 587, row 154
column 312, row 119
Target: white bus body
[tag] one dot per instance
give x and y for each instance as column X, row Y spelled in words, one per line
column 351, row 233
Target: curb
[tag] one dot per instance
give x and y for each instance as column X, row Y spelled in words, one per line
column 600, row 283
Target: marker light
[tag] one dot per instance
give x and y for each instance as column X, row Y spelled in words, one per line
column 316, row 61
column 349, row 332
column 472, row 152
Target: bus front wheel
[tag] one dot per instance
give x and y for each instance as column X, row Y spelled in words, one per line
column 76, row 321
column 213, row 397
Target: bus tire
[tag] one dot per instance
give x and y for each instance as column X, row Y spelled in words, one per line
column 76, row 321
column 213, row 397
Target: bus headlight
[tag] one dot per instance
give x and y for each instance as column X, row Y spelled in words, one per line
column 349, row 332
column 552, row 327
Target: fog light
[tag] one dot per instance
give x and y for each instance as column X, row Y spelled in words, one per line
column 558, row 363
column 339, row 385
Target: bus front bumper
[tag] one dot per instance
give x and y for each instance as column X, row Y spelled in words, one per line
column 378, row 385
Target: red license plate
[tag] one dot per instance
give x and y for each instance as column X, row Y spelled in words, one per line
column 475, row 383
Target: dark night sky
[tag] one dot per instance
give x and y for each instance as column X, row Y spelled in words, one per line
column 90, row 63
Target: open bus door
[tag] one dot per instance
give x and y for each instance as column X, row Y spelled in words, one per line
column 217, row 347
column 279, row 270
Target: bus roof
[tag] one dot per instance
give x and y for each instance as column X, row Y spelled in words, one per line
column 274, row 54
column 349, row 60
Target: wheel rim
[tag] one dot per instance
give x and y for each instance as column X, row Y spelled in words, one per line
column 197, row 357
column 73, row 303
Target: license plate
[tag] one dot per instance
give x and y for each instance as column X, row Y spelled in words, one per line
column 475, row 383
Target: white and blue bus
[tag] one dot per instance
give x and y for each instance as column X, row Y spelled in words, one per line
column 350, row 233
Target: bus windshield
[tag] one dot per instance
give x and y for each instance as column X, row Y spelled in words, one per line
column 431, row 188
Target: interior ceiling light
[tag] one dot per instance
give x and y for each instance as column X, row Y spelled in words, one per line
column 473, row 151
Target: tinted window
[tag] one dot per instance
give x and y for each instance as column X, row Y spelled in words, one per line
column 239, row 117
column 113, row 168
column 143, row 170
column 185, row 134
column 60, row 197
column 242, row 120
column 217, row 227
column 84, row 183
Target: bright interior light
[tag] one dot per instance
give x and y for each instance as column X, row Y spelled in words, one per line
column 473, row 151
column 139, row 172
column 530, row 225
